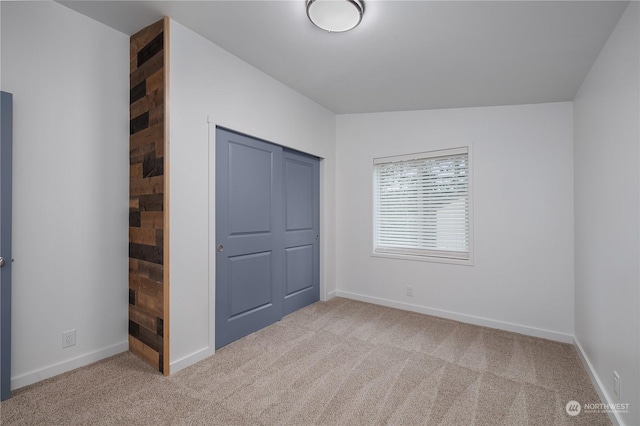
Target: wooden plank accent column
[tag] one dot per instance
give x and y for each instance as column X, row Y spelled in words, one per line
column 148, row 196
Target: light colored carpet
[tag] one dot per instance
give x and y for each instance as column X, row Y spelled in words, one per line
column 339, row 362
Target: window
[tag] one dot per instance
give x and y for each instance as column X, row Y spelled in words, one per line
column 421, row 205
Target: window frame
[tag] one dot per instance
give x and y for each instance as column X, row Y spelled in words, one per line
column 435, row 255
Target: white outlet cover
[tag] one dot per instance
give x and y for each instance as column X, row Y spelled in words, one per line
column 68, row 338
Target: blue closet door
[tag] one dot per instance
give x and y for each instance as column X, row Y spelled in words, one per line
column 248, row 235
column 301, row 231
column 267, row 216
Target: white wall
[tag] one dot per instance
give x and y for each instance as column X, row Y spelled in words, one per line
column 206, row 81
column 522, row 277
column 607, row 214
column 69, row 78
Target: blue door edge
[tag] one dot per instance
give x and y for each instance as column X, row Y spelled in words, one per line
column 6, row 133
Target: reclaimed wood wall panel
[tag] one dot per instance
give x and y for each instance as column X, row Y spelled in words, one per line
column 148, row 196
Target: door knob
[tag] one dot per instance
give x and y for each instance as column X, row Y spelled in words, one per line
column 220, row 248
column 2, row 262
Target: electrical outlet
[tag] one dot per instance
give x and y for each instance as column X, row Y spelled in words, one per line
column 68, row 338
column 616, row 384
column 409, row 291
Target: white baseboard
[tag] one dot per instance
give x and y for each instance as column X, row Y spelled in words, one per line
column 470, row 319
column 189, row 360
column 68, row 365
column 331, row 294
column 597, row 383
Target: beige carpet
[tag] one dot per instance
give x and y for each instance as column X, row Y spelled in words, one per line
column 340, row 362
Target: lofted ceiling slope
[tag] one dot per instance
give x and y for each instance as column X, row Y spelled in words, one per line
column 406, row 55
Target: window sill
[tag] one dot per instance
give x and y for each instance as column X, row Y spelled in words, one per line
column 433, row 259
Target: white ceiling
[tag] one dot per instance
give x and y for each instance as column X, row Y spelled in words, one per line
column 406, row 55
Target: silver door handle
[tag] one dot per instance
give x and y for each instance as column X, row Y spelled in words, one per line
column 220, row 248
column 2, row 262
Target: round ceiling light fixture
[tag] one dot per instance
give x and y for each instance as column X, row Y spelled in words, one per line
column 335, row 16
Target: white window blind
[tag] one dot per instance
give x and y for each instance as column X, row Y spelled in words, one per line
column 421, row 204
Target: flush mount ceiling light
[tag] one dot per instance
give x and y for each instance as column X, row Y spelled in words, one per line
column 335, row 16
